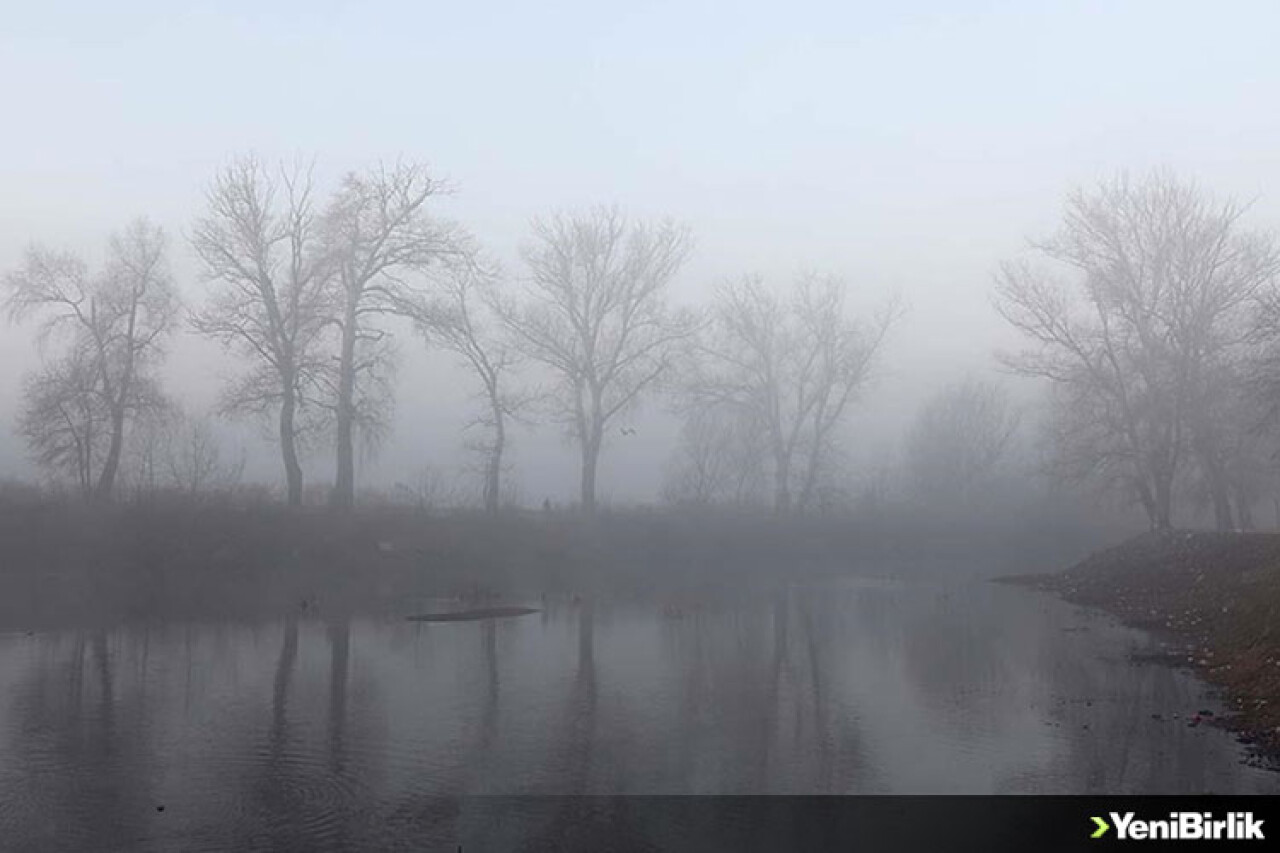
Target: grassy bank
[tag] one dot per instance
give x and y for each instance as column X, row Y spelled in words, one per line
column 63, row 564
column 1215, row 595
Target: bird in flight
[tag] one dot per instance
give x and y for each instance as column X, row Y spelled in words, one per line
column 628, row 431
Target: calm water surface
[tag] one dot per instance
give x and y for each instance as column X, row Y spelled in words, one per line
column 318, row 731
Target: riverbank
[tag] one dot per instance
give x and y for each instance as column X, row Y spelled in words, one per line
column 73, row 565
column 1213, row 597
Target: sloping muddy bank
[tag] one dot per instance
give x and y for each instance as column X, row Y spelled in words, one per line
column 1213, row 597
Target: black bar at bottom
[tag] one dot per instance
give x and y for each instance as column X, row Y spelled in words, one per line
column 874, row 823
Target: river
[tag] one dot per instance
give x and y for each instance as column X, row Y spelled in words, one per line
column 319, row 728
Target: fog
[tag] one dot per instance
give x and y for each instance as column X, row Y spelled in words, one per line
column 906, row 150
column 401, row 402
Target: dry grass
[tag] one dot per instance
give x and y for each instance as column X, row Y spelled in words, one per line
column 65, row 564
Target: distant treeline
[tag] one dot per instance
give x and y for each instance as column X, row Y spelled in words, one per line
column 1152, row 316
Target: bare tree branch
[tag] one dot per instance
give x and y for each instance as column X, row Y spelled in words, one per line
column 270, row 298
column 595, row 313
column 115, row 323
column 1156, row 280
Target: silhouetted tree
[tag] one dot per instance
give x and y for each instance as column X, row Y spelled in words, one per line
column 142, row 467
column 596, row 315
column 64, row 420
column 1145, row 305
column 377, row 231
column 789, row 368
column 958, row 439
column 193, row 458
column 115, row 322
column 461, row 317
column 719, row 459
column 259, row 245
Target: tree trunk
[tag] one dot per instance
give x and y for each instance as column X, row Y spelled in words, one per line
column 1219, row 489
column 1222, row 519
column 1163, row 519
column 492, row 483
column 84, row 473
column 107, row 479
column 493, row 475
column 1221, row 497
column 812, row 461
column 344, row 485
column 1244, row 510
column 590, row 458
column 289, row 446
column 782, row 484
column 1148, row 501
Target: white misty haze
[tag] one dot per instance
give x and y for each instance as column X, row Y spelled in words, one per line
column 908, row 147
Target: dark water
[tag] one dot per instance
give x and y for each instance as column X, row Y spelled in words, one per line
column 315, row 731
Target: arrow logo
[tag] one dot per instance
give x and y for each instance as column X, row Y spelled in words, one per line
column 1103, row 826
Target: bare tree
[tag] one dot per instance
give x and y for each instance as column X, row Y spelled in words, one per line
column 596, row 315
column 115, row 324
column 259, row 244
column 1227, row 431
column 958, row 439
column 718, row 460
column 170, row 450
column 427, row 489
column 377, row 231
column 194, row 459
column 142, row 468
column 1258, row 394
column 1157, row 275
column 64, row 421
column 461, row 317
column 792, row 367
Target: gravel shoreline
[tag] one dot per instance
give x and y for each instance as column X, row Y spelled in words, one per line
column 1215, row 597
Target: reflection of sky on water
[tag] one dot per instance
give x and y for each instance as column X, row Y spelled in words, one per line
column 339, row 729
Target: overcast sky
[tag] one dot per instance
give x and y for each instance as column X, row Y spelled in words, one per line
column 906, row 146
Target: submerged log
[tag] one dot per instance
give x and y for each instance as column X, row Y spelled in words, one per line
column 472, row 615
